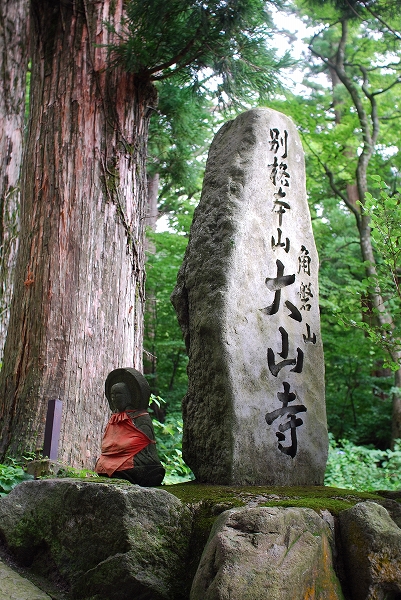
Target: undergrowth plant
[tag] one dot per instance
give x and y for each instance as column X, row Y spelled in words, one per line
column 361, row 468
column 10, row 476
column 169, row 440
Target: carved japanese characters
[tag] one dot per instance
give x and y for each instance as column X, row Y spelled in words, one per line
column 247, row 302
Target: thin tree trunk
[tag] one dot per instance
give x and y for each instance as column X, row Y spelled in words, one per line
column 14, row 29
column 77, row 311
column 152, row 200
column 383, row 318
column 150, row 360
column 369, row 123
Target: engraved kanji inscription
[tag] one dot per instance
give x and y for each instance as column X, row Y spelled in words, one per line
column 280, row 244
column 278, row 142
column 304, row 261
column 294, row 312
column 280, row 207
column 305, row 294
column 309, row 338
column 275, row 284
column 292, row 422
column 297, row 362
column 279, row 173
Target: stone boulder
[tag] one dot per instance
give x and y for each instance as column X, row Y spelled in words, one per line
column 104, row 541
column 267, row 553
column 371, row 548
column 110, row 540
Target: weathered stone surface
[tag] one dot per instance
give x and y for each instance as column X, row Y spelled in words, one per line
column 267, row 553
column 247, row 302
column 106, row 541
column 45, row 468
column 15, row 587
column 371, row 547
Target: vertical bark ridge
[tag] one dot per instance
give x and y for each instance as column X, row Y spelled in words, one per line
column 14, row 26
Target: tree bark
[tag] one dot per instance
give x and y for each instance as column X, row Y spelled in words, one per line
column 14, row 29
column 77, row 311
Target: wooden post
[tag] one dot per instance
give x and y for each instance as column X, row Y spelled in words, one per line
column 52, row 429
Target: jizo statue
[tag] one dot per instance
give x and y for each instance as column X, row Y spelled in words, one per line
column 128, row 446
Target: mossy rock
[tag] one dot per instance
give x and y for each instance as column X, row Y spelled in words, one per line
column 221, row 498
column 207, row 502
column 105, row 538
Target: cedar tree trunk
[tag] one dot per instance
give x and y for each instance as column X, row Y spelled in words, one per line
column 14, row 29
column 77, row 311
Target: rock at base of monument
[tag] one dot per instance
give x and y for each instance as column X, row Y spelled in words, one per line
column 372, row 552
column 267, row 552
column 104, row 541
column 147, row 476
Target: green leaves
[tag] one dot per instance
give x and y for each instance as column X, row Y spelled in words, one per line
column 169, row 441
column 383, row 210
column 361, row 468
column 163, row 337
column 183, row 38
column 10, row 476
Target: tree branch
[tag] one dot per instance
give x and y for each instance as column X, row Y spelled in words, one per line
column 175, row 59
column 190, row 60
column 397, row 35
column 332, row 183
column 395, row 82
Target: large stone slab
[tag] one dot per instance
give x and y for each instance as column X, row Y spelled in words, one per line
column 15, row 587
column 266, row 553
column 371, row 545
column 247, row 302
column 103, row 541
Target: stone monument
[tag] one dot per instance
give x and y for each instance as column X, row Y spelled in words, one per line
column 247, row 302
column 129, row 446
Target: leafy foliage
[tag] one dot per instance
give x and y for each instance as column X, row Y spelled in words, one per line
column 163, row 342
column 362, row 468
column 183, row 38
column 76, row 473
column 383, row 210
column 169, row 441
column 179, row 135
column 348, row 129
column 359, row 386
column 10, row 476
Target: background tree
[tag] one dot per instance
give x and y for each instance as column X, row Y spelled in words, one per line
column 179, row 135
column 163, row 338
column 14, row 27
column 77, row 309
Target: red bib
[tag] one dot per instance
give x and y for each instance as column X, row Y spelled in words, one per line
column 121, row 441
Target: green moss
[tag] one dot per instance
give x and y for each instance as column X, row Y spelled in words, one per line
column 108, row 480
column 220, row 498
column 332, row 505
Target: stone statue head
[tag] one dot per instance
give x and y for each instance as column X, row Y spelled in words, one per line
column 126, row 388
